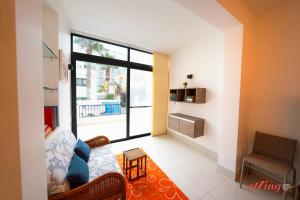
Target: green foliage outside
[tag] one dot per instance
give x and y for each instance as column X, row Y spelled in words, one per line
column 91, row 46
column 110, row 97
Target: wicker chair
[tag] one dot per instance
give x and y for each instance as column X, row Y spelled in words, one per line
column 110, row 186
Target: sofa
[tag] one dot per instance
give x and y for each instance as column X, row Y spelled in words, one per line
column 105, row 179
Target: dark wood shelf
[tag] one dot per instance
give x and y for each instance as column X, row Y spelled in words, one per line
column 180, row 95
column 188, row 95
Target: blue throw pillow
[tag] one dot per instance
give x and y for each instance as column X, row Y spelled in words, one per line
column 78, row 173
column 83, row 150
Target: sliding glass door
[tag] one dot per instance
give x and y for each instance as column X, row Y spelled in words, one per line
column 101, row 100
column 111, row 90
column 140, row 102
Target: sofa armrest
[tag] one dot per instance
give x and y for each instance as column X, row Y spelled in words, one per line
column 108, row 186
column 97, row 141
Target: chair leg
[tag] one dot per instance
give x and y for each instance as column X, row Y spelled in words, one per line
column 297, row 193
column 294, row 191
column 294, row 176
column 242, row 174
column 290, row 191
column 284, row 195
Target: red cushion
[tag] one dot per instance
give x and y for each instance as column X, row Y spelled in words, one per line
column 49, row 117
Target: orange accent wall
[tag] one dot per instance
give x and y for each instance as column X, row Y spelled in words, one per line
column 9, row 143
column 270, row 83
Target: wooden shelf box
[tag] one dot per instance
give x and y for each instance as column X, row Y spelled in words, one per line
column 173, row 95
column 188, row 125
column 180, row 95
column 188, row 95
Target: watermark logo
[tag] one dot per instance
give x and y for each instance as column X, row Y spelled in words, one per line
column 269, row 186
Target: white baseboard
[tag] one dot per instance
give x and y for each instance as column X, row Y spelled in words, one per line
column 226, row 172
column 179, row 136
column 183, row 138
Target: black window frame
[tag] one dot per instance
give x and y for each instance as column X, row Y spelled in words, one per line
column 75, row 56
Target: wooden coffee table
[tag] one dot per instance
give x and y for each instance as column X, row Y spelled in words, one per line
column 134, row 158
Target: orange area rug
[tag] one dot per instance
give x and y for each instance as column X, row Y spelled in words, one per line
column 155, row 185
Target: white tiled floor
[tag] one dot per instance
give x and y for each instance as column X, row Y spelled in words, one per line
column 191, row 170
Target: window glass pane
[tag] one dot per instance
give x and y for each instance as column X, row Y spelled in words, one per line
column 141, row 57
column 140, row 88
column 93, row 47
column 140, row 120
column 78, row 81
column 101, row 103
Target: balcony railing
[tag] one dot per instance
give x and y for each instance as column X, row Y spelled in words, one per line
column 100, row 110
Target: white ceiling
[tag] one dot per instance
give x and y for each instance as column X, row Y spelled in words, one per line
column 156, row 25
column 212, row 12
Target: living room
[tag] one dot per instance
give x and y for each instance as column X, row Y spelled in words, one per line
column 155, row 68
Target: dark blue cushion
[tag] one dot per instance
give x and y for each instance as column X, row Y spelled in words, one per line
column 83, row 150
column 78, row 173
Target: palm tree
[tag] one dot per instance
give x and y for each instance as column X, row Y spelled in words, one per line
column 91, row 46
column 118, row 86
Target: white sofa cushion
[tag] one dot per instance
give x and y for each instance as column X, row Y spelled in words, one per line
column 59, row 149
column 102, row 160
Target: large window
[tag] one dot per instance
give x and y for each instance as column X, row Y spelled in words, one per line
column 111, row 90
column 80, row 82
column 141, row 57
column 97, row 48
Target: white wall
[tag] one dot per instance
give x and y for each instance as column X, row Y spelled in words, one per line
column 230, row 98
column 64, row 95
column 216, row 66
column 30, row 98
column 205, row 62
column 56, row 34
column 51, row 70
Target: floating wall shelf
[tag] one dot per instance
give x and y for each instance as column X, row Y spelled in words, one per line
column 47, row 52
column 188, row 95
column 187, row 125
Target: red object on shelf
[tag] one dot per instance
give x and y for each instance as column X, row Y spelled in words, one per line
column 49, row 117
